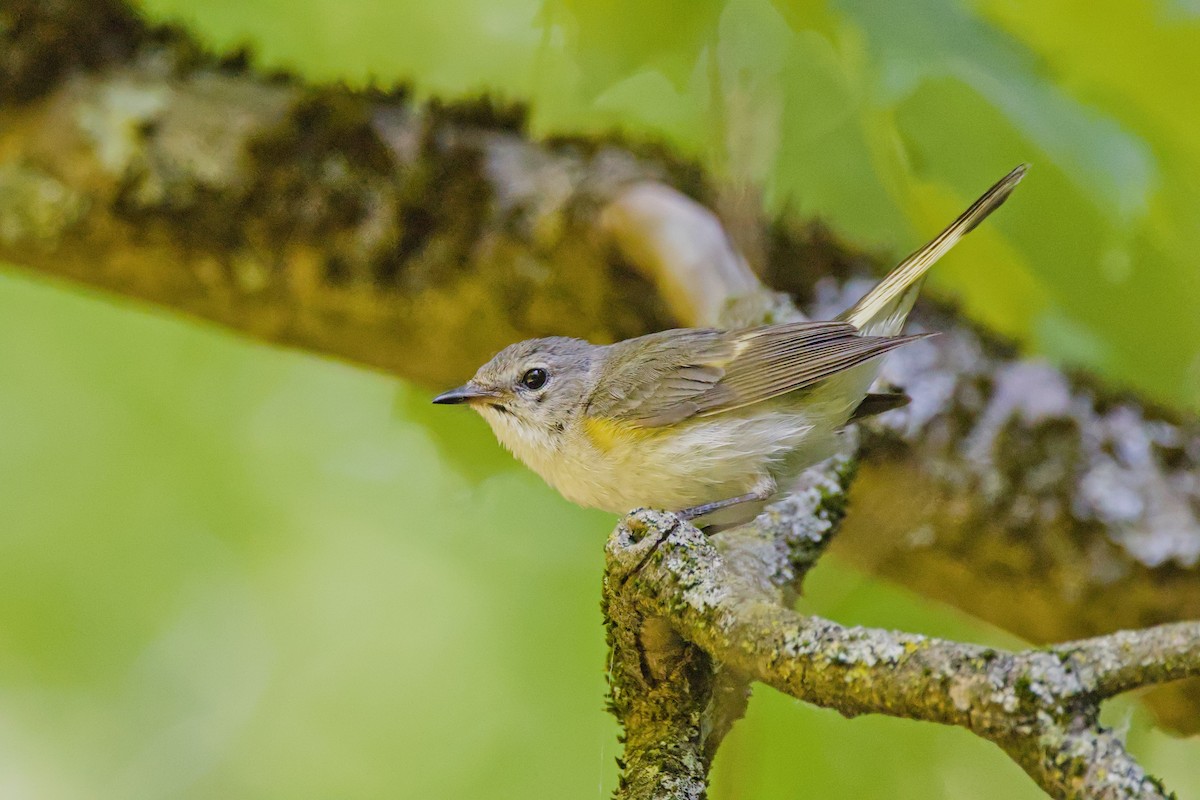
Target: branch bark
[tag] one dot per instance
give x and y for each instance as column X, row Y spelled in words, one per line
column 674, row 698
column 419, row 239
column 1041, row 706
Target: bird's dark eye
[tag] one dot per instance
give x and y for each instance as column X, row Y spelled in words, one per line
column 535, row 378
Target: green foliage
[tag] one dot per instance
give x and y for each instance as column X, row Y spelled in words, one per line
column 227, row 571
column 608, row 42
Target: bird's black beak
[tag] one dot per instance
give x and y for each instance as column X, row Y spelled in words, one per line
column 464, row 394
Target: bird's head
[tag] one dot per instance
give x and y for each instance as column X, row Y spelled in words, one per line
column 531, row 392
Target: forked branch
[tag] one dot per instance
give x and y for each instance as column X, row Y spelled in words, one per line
column 721, row 603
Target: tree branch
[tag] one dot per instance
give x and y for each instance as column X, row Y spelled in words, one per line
column 1091, row 764
column 674, row 701
column 1041, row 706
column 1128, row 660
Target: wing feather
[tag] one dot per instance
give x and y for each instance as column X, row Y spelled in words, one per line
column 668, row 377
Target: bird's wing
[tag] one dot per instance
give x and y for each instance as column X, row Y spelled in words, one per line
column 668, row 377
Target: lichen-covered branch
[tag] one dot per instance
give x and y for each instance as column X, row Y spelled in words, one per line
column 418, row 239
column 1086, row 764
column 674, row 703
column 673, row 700
column 1128, row 660
column 1040, row 705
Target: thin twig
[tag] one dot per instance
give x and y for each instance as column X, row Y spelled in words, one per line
column 1128, row 660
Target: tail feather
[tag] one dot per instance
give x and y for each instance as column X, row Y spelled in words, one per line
column 883, row 310
column 878, row 403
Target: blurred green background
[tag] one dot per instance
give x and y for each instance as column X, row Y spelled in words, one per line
column 232, row 571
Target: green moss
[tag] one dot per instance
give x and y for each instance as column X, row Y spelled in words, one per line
column 35, row 207
column 1023, row 689
column 42, row 41
column 486, row 111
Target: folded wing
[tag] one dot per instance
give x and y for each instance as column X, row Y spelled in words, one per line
column 672, row 376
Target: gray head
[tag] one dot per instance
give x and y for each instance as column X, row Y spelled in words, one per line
column 530, row 391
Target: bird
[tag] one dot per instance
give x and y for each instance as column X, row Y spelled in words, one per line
column 709, row 423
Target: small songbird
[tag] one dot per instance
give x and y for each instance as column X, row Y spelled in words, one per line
column 701, row 420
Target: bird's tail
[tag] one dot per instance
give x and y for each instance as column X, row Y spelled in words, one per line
column 883, row 310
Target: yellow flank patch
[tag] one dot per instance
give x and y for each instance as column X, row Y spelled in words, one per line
column 606, row 433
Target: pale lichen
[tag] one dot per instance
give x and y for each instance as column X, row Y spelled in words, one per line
column 116, row 116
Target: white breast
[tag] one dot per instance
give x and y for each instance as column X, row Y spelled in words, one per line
column 692, row 463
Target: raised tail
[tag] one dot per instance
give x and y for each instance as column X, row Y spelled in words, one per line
column 883, row 310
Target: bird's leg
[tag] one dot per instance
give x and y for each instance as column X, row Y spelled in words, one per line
column 708, row 508
column 762, row 491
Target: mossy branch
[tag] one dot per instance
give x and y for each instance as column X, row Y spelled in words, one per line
column 1128, row 660
column 1040, row 705
column 673, row 699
